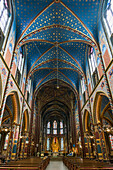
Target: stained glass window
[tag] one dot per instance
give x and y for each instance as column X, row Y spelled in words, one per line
column 48, row 128
column 54, row 124
column 61, row 124
column 92, row 61
column 20, row 61
column 55, row 127
column 48, row 144
column 61, row 127
column 4, row 14
column 61, row 131
column 48, row 131
column 48, row 125
column 93, row 67
column 83, row 85
column 109, row 16
column 54, row 131
column 62, row 144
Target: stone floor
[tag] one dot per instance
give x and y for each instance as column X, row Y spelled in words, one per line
column 56, row 165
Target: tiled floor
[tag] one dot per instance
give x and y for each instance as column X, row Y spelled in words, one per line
column 56, row 165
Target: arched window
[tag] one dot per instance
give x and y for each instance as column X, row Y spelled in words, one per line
column 61, row 127
column 62, row 144
column 83, row 88
column 54, row 124
column 28, row 90
column 108, row 18
column 20, row 64
column 92, row 66
column 83, row 85
column 4, row 14
column 48, row 144
column 48, row 128
column 55, row 127
column 48, row 125
column 61, row 124
column 5, row 18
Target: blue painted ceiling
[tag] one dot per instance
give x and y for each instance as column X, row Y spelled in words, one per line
column 56, row 34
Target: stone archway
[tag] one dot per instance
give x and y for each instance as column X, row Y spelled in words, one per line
column 103, row 121
column 10, row 122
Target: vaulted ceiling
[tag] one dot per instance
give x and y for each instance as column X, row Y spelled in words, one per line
column 56, row 34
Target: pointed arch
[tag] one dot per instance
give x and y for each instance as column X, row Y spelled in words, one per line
column 100, row 107
column 86, row 121
column 25, row 125
column 12, row 108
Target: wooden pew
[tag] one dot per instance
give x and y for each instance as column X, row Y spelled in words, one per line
column 27, row 164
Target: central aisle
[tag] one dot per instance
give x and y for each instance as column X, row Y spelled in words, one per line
column 56, row 165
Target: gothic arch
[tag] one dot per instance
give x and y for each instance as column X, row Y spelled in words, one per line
column 86, row 121
column 25, row 125
column 12, row 108
column 100, row 106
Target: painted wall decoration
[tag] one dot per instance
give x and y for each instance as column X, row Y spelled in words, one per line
column 12, row 87
column 10, row 45
column 4, row 74
column 100, row 88
column 77, row 121
column 110, row 78
column 104, row 47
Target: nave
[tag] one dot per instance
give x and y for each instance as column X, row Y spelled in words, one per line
column 56, row 82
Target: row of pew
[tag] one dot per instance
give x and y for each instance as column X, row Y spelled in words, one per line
column 27, row 164
column 74, row 163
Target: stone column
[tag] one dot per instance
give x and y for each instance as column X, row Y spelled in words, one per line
column 74, row 128
column 10, row 148
column 15, row 142
column 81, row 128
column 30, row 131
column 91, row 119
column 87, row 151
column 102, row 142
column 20, row 131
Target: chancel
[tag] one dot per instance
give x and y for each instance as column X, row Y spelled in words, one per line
column 56, row 84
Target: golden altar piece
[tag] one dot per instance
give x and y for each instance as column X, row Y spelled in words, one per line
column 55, row 145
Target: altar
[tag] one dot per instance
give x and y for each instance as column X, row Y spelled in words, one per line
column 55, row 154
column 55, row 146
